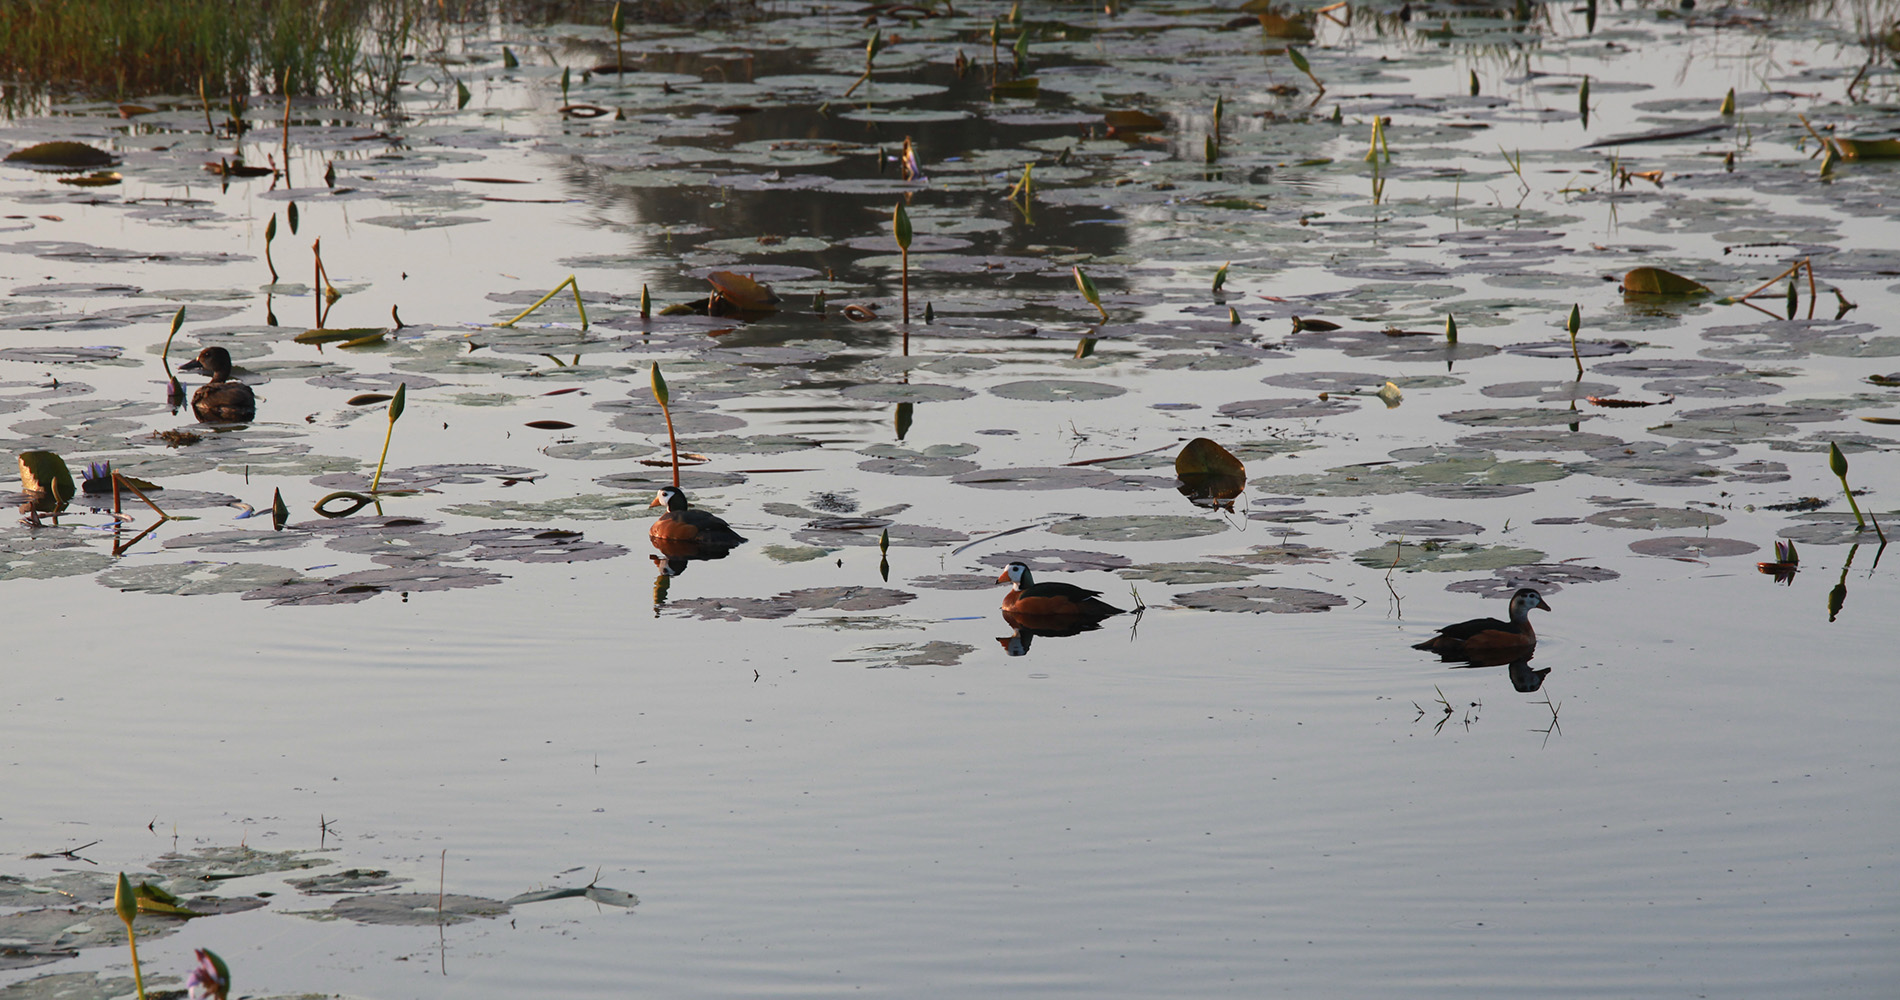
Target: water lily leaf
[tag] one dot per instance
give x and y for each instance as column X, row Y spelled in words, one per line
column 50, row 564
column 1260, row 600
column 61, row 154
column 45, row 478
column 417, row 909
column 953, row 581
column 845, row 598
column 1287, row 409
column 1057, row 560
column 795, row 553
column 586, row 507
column 733, row 609
column 215, row 863
column 1546, row 577
column 1204, row 458
column 1692, row 547
column 1060, row 477
column 1656, row 281
column 1444, row 557
column 1653, row 518
column 919, row 465
column 1427, row 528
column 921, row 392
column 1284, row 554
column 1129, row 121
column 1830, row 528
column 860, row 534
column 1190, row 574
column 1052, row 390
column 1138, row 528
column 196, row 578
column 348, row 880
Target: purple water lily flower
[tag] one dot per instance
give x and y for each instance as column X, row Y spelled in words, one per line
column 212, row 978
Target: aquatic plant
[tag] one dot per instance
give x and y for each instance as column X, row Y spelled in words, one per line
column 210, row 979
column 126, row 905
column 396, row 404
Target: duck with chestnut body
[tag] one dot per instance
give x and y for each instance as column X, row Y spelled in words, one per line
column 1488, row 637
column 221, row 400
column 682, row 526
column 1029, row 599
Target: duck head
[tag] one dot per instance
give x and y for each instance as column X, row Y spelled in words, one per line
column 1016, row 573
column 1523, row 601
column 213, row 361
column 670, row 497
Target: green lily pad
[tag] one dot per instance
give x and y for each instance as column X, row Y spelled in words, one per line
column 416, row 909
column 1653, row 518
column 1138, row 527
column 1444, row 557
column 1260, row 600
column 895, row 392
column 1692, row 547
column 586, row 507
column 1189, row 574
column 192, row 579
column 1057, row 560
column 1062, row 477
column 1051, row 390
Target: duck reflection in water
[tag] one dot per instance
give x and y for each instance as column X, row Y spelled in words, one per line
column 1523, row 678
column 1048, row 609
column 221, row 400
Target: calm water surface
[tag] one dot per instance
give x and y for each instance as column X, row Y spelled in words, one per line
column 1699, row 799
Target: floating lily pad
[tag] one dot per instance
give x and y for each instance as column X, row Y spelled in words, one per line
column 192, row 579
column 1189, row 574
column 894, row 392
column 1284, row 554
column 1260, row 600
column 1138, row 527
column 953, row 581
column 348, row 880
column 1549, row 578
column 1425, row 528
column 1444, row 557
column 210, row 863
column 1831, row 528
column 1692, row 547
column 417, row 909
column 533, row 545
column 1287, row 409
column 1036, row 478
column 795, row 553
column 1654, row 518
column 1515, row 417
column 1057, row 560
column 1052, row 390
column 900, row 535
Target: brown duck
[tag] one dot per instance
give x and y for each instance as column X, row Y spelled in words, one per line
column 681, row 524
column 220, row 401
column 1488, row 637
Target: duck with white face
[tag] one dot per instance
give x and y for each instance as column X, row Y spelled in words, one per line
column 1488, row 637
column 682, row 524
column 1050, row 600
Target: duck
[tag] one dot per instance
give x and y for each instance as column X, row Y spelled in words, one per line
column 1487, row 637
column 220, row 401
column 681, row 524
column 1029, row 599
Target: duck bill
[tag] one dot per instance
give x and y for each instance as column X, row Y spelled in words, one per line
column 1004, row 578
column 1543, row 603
column 657, row 502
column 191, row 366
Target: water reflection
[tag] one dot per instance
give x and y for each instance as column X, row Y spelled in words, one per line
column 1028, row 627
column 1523, row 678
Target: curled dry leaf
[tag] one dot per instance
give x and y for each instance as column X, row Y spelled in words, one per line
column 743, row 292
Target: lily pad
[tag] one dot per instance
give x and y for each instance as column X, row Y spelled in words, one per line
column 193, row 579
column 1427, row 528
column 1692, row 547
column 1260, row 600
column 895, row 392
column 1138, row 527
column 1057, row 560
column 1190, row 574
column 1050, row 390
column 417, row 909
column 1444, row 557
column 1654, row 518
column 1036, row 478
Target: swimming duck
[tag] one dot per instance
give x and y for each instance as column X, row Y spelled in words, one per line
column 1050, row 600
column 1482, row 637
column 681, row 523
column 220, row 401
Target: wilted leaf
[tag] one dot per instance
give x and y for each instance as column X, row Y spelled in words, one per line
column 1656, row 281
column 45, row 478
column 742, row 292
column 1132, row 121
column 1202, row 457
column 1851, row 149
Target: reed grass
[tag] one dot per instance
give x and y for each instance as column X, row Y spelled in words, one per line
column 122, row 48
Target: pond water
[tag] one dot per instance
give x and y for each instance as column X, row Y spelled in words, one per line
column 820, row 777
